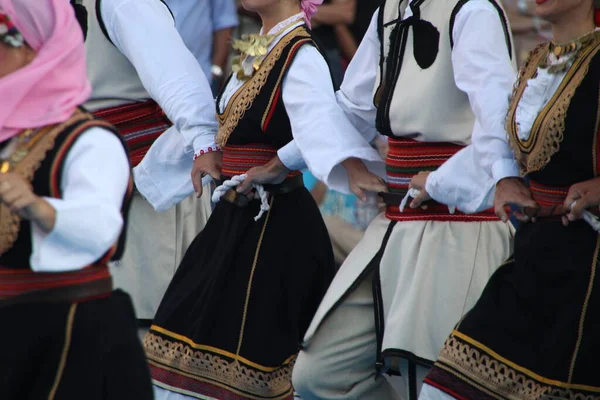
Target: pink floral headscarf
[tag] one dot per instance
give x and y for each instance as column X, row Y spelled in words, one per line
column 309, row 7
column 48, row 90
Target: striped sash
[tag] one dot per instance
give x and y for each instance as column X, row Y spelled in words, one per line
column 140, row 124
column 406, row 158
column 238, row 160
column 27, row 283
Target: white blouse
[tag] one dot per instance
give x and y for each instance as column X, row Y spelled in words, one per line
column 94, row 180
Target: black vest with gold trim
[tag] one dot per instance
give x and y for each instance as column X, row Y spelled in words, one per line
column 563, row 148
column 43, row 166
column 256, row 113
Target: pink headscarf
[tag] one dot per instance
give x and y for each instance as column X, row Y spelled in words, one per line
column 310, row 8
column 48, row 90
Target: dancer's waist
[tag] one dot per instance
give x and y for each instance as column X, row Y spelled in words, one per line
column 406, row 158
column 287, row 186
column 550, row 200
column 140, row 124
column 19, row 286
column 239, row 159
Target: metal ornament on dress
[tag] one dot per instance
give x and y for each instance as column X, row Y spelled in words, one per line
column 236, row 181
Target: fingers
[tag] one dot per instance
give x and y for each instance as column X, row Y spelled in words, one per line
column 565, row 221
column 525, row 201
column 578, row 208
column 359, row 192
column 246, row 185
column 197, row 182
column 375, row 186
column 215, row 173
column 21, row 204
column 521, row 216
column 420, row 199
column 502, row 211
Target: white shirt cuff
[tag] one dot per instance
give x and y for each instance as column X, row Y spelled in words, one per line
column 505, row 168
column 291, row 157
column 73, row 244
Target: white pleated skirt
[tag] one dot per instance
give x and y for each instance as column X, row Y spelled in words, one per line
column 431, row 273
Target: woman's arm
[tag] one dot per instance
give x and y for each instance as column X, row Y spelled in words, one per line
column 339, row 12
column 88, row 218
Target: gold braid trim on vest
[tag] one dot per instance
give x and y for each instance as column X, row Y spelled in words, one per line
column 25, row 160
column 548, row 128
column 242, row 100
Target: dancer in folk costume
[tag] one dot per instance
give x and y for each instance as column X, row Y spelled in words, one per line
column 143, row 78
column 66, row 333
column 233, row 318
column 533, row 333
column 429, row 74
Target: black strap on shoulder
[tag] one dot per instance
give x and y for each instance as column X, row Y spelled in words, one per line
column 103, row 25
column 82, row 16
column 498, row 8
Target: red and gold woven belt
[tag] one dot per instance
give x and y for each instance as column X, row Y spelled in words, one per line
column 25, row 285
column 406, row 158
column 237, row 160
column 140, row 124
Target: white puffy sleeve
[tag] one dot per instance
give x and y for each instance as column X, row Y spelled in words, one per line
column 88, row 223
column 322, row 132
column 483, row 70
column 144, row 31
column 356, row 93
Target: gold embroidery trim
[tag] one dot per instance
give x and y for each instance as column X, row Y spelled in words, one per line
column 584, row 310
column 25, row 161
column 65, row 351
column 279, row 79
column 548, row 129
column 212, row 367
column 482, row 367
column 242, row 100
column 595, row 142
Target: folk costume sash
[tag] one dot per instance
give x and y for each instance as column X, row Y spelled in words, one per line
column 238, row 160
column 406, row 158
column 140, row 124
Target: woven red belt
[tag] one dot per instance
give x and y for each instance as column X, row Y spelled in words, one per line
column 17, row 285
column 140, row 124
column 406, row 158
column 237, row 160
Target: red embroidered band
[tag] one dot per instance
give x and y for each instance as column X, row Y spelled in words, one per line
column 406, row 158
column 140, row 124
column 16, row 282
column 238, row 160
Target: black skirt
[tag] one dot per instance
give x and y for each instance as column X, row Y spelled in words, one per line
column 88, row 350
column 535, row 330
column 233, row 317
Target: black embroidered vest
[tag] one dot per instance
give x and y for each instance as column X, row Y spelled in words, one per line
column 46, row 182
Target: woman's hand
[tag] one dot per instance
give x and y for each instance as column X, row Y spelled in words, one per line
column 361, row 180
column 17, row 194
column 418, row 183
column 512, row 191
column 273, row 172
column 585, row 195
column 207, row 164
